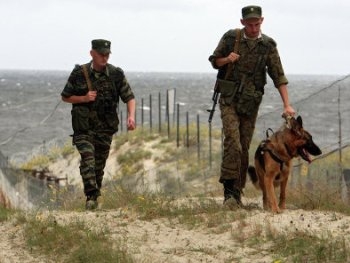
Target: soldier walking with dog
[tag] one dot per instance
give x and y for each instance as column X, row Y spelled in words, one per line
column 94, row 90
column 242, row 58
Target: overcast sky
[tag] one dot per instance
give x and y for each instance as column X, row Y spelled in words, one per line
column 313, row 36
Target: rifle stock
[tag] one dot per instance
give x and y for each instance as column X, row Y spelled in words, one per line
column 215, row 101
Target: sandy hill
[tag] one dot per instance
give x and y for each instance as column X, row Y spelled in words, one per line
column 169, row 240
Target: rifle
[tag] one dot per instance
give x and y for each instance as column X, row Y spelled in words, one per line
column 215, row 101
column 229, row 69
column 241, row 85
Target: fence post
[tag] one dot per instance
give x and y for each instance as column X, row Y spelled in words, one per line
column 159, row 114
column 346, row 174
column 167, row 112
column 142, row 113
column 150, row 112
column 198, row 138
column 187, row 130
column 178, row 125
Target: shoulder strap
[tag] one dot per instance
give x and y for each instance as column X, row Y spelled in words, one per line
column 235, row 50
column 237, row 39
column 86, row 75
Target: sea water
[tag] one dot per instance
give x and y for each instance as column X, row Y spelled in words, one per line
column 32, row 113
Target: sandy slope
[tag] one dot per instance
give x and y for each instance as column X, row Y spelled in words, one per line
column 165, row 240
column 162, row 240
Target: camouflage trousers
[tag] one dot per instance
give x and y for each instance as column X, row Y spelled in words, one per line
column 94, row 150
column 238, row 133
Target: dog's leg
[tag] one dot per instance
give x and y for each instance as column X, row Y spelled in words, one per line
column 263, row 188
column 270, row 193
column 282, row 203
column 257, row 176
column 283, row 185
column 265, row 200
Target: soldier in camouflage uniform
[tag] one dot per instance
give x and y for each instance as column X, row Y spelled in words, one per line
column 94, row 95
column 256, row 55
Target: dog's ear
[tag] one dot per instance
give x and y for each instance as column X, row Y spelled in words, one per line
column 296, row 125
column 300, row 121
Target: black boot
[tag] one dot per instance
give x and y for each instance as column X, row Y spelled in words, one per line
column 232, row 194
column 91, row 201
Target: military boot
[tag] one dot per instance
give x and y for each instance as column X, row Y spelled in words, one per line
column 91, row 202
column 232, row 194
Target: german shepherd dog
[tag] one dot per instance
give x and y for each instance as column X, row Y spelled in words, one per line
column 273, row 160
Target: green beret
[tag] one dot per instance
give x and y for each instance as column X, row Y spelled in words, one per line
column 102, row 46
column 251, row 11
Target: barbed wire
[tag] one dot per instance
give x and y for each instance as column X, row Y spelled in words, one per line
column 51, row 113
column 322, row 156
column 311, row 95
column 29, row 102
column 47, row 117
column 333, row 147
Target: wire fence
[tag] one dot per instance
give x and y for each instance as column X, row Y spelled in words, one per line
column 326, row 115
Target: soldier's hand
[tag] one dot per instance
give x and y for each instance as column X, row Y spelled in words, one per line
column 131, row 124
column 91, row 96
column 232, row 57
column 288, row 111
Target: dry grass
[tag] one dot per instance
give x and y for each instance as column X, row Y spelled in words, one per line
column 190, row 210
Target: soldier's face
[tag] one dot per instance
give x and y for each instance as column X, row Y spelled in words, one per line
column 252, row 26
column 99, row 60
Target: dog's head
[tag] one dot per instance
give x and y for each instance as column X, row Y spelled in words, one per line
column 303, row 139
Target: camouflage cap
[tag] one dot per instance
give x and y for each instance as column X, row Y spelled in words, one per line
column 251, row 11
column 101, row 46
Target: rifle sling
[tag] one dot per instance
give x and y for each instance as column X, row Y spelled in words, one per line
column 235, row 50
column 86, row 75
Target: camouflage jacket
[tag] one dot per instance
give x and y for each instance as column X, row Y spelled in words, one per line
column 256, row 58
column 110, row 86
column 76, row 84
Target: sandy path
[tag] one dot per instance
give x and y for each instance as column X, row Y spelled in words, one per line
column 165, row 240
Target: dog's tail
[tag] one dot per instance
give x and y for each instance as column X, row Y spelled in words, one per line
column 253, row 176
